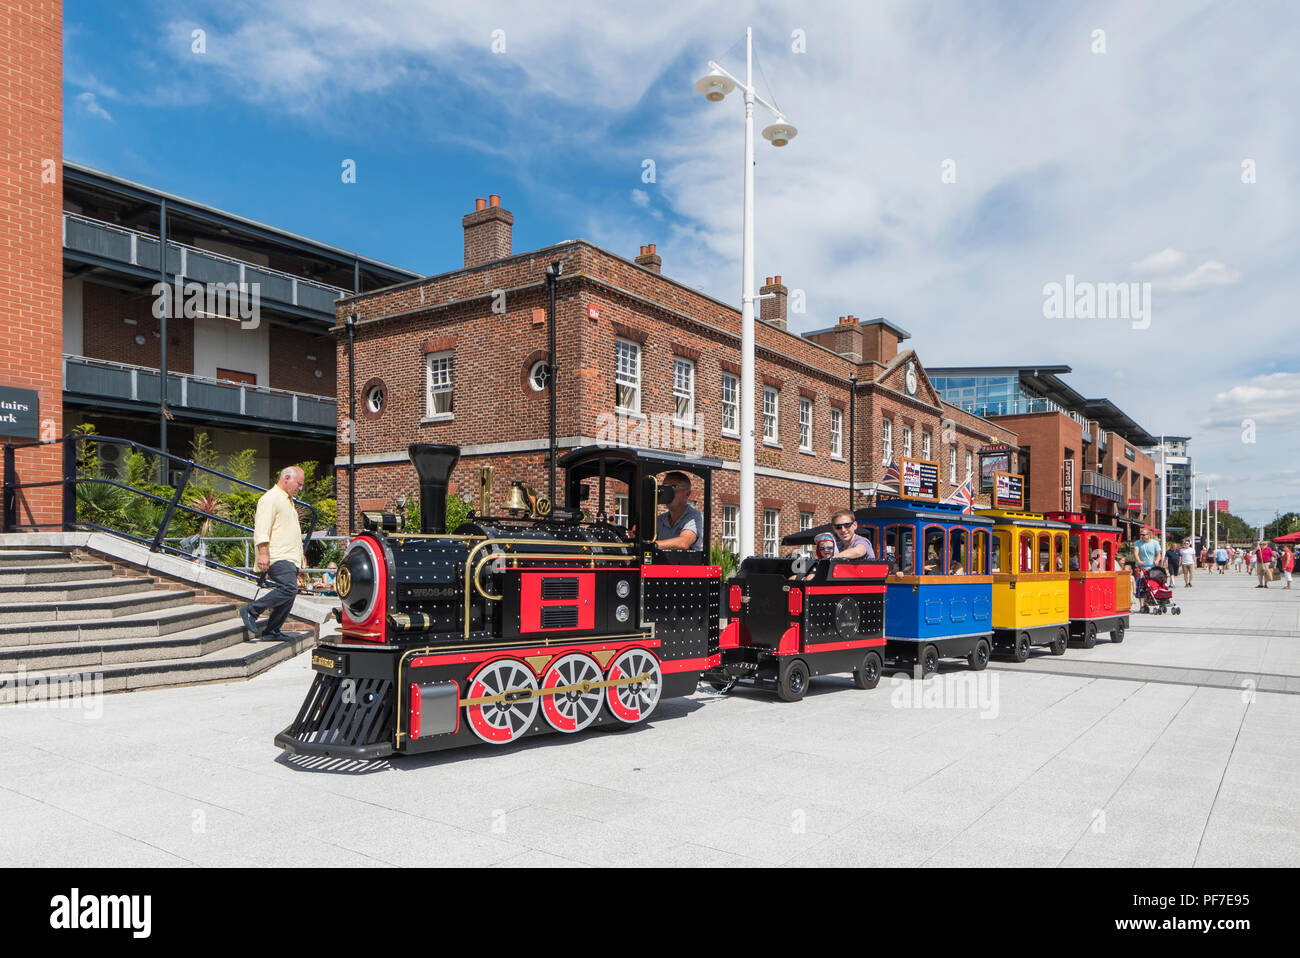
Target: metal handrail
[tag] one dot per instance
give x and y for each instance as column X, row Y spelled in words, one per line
column 70, row 480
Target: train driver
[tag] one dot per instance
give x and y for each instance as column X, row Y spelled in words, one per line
column 680, row 524
column 848, row 544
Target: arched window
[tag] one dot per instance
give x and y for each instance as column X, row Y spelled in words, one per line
column 1075, row 564
column 1058, row 552
column 1044, row 552
column 979, row 554
column 959, row 563
column 898, row 546
column 935, row 556
column 1026, row 552
column 1096, row 558
column 999, row 559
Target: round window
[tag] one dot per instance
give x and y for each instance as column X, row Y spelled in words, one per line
column 374, row 399
column 539, row 376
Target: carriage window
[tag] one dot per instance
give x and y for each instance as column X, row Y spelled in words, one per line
column 1108, row 556
column 1074, row 554
column 1094, row 554
column 1026, row 552
column 979, row 553
column 1044, row 553
column 1058, row 548
column 1000, row 549
column 959, row 563
column 935, row 551
column 871, row 535
column 898, row 546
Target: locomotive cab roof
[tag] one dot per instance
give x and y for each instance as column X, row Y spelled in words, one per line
column 624, row 463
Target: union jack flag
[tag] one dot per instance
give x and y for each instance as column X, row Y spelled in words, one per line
column 963, row 494
column 891, row 475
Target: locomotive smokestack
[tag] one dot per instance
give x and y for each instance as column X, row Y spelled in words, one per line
column 433, row 464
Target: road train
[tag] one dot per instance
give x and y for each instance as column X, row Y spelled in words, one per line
column 559, row 619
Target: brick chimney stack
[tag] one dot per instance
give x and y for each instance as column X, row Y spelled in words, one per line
column 487, row 231
column 773, row 310
column 650, row 259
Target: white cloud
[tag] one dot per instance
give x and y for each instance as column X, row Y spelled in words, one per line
column 640, row 198
column 1162, row 262
column 90, row 103
column 1272, row 398
column 1207, row 275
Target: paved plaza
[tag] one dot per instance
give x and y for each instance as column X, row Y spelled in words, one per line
column 1179, row 747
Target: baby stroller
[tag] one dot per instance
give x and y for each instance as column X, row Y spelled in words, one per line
column 1159, row 596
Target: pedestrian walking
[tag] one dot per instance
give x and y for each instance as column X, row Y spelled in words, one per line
column 1173, row 557
column 278, row 538
column 1263, row 558
column 1288, row 564
column 1188, row 564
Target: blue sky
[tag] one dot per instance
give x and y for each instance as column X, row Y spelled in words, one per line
column 1112, row 161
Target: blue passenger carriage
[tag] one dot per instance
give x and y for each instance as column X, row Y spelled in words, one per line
column 939, row 596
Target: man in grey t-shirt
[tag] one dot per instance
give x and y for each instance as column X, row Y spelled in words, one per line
column 682, row 525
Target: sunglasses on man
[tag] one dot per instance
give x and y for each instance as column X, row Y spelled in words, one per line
column 842, row 525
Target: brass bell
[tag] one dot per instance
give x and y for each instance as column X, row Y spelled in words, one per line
column 516, row 500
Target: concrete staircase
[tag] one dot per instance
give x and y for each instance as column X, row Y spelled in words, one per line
column 68, row 619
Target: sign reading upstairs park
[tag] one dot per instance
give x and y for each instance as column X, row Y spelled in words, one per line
column 20, row 412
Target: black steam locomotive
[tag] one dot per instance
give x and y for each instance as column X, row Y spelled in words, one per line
column 538, row 621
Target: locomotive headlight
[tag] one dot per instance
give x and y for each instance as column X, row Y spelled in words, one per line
column 622, row 613
column 356, row 581
column 623, row 588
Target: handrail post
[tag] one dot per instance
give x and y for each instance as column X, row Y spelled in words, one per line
column 69, row 483
column 11, row 493
column 171, row 507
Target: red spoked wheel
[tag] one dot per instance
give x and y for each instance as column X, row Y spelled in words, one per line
column 513, row 687
column 633, row 702
column 574, row 710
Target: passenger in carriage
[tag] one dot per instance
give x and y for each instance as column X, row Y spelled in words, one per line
column 848, row 544
column 680, row 524
column 823, row 548
column 1098, row 560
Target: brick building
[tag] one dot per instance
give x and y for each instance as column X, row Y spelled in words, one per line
column 31, row 113
column 266, row 384
column 643, row 360
column 1076, row 454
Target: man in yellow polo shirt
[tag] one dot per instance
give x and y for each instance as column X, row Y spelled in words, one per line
column 279, row 554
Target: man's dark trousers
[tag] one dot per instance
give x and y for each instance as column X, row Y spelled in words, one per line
column 279, row 600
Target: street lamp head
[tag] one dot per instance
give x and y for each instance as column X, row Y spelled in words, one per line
column 715, row 85
column 780, row 133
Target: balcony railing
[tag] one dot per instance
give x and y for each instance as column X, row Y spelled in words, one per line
column 129, row 247
column 120, row 382
column 1018, row 407
column 1095, row 484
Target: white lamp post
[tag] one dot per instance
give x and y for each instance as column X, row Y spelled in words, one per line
column 1164, row 497
column 715, row 85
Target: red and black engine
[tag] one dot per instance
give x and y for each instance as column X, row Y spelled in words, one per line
column 541, row 621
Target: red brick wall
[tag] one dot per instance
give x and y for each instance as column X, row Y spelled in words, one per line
column 1047, row 436
column 290, row 367
column 31, row 250
column 493, row 352
column 106, row 335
